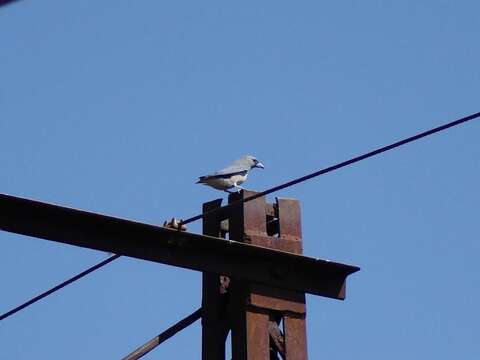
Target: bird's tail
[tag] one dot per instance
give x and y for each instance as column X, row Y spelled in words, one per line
column 201, row 179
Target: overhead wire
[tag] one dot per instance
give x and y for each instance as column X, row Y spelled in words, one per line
column 337, row 166
column 59, row 286
column 264, row 193
column 6, row 2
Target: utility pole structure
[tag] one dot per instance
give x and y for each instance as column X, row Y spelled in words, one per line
column 251, row 311
column 254, row 282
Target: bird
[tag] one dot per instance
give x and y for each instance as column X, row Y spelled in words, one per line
column 231, row 176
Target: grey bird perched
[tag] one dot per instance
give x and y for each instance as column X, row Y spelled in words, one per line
column 233, row 175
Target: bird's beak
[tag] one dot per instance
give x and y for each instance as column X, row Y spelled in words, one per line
column 260, row 165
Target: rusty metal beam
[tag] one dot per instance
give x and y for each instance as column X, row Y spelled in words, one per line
column 154, row 243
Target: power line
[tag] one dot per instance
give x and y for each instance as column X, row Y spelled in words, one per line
column 339, row 165
column 263, row 193
column 6, row 2
column 58, row 287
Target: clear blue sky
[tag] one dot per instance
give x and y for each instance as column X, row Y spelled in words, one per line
column 117, row 106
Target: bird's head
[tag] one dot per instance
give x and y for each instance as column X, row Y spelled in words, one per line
column 253, row 162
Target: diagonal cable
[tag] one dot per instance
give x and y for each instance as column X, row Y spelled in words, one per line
column 263, row 193
column 59, row 286
column 339, row 165
column 6, row 2
column 164, row 336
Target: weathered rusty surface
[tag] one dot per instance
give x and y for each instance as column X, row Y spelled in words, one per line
column 253, row 310
column 289, row 239
column 289, row 218
column 254, row 334
column 258, row 338
column 276, row 299
column 282, row 244
column 291, row 304
column 250, row 336
column 155, row 243
column 295, row 338
column 215, row 325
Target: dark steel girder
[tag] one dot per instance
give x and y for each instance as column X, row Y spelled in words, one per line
column 154, row 243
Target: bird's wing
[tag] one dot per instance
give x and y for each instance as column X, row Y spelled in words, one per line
column 239, row 167
column 222, row 174
column 233, row 169
column 228, row 174
column 236, row 167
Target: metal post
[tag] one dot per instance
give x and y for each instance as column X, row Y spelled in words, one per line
column 215, row 326
column 254, row 312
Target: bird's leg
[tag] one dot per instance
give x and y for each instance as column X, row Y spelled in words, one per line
column 238, row 187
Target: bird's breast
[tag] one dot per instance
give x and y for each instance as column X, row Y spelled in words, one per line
column 239, row 179
column 219, row 183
